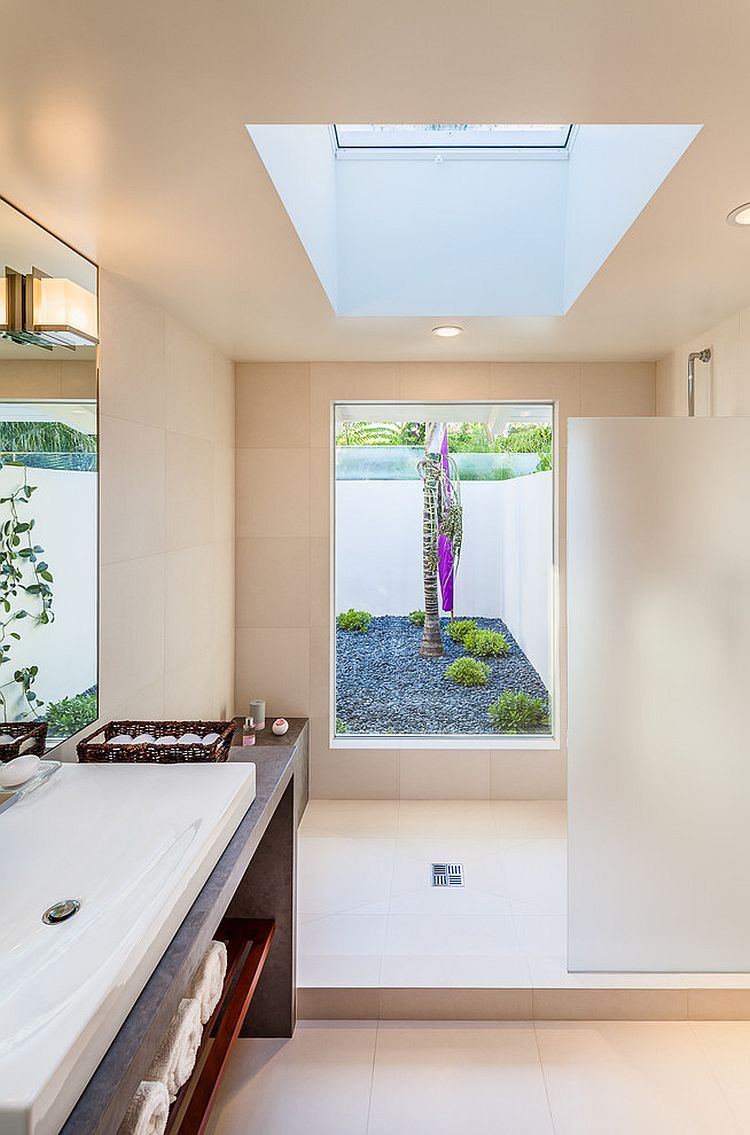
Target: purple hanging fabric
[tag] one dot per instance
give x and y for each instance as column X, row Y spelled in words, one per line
column 445, row 551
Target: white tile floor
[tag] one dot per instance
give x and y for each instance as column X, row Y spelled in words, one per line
column 368, row 918
column 436, row 1078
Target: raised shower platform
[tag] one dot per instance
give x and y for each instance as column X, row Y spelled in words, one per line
column 377, row 941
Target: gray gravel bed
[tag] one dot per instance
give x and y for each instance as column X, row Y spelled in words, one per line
column 384, row 686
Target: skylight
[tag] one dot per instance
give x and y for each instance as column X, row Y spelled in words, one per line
column 442, row 136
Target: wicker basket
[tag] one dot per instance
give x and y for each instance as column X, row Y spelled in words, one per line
column 21, row 731
column 95, row 747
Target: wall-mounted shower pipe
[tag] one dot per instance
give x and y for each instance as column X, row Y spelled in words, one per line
column 703, row 356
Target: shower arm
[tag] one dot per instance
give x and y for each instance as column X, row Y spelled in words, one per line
column 703, row 356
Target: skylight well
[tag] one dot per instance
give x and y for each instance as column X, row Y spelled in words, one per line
column 452, row 136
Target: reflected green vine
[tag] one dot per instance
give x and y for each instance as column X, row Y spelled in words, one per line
column 25, row 591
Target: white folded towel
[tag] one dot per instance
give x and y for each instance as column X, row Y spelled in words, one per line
column 208, row 981
column 176, row 1057
column 149, row 1110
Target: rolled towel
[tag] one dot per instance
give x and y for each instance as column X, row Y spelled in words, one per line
column 149, row 1111
column 176, row 1057
column 208, row 981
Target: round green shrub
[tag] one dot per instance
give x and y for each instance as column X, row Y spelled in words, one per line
column 515, row 712
column 486, row 643
column 351, row 620
column 417, row 618
column 69, row 715
column 468, row 672
column 459, row 630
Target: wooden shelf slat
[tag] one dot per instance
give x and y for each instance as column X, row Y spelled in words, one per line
column 248, row 942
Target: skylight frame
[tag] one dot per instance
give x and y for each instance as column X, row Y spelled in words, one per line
column 517, row 143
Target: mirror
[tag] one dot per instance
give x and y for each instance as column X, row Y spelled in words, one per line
column 48, row 488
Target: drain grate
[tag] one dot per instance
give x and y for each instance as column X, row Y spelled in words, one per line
column 447, row 874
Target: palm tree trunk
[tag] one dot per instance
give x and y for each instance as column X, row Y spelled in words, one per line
column 432, row 640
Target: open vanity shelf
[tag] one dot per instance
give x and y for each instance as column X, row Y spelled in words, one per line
column 249, row 899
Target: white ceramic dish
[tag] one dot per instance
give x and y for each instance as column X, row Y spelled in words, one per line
column 134, row 844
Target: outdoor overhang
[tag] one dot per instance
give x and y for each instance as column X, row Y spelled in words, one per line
column 465, row 236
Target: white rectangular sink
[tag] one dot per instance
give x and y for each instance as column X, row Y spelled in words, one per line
column 133, row 844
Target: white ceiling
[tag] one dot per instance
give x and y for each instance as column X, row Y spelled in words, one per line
column 122, row 128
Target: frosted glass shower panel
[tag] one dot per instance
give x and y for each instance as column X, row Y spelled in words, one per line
column 659, row 670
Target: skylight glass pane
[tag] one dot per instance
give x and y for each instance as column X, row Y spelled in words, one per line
column 456, row 135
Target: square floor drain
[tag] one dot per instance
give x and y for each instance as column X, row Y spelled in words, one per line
column 447, row 874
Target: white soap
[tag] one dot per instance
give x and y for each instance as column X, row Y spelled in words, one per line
column 19, row 770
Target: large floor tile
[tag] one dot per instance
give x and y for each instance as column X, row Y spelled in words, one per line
column 727, row 1047
column 338, row 875
column 343, row 934
column 530, row 819
column 445, row 934
column 339, row 971
column 446, row 819
column 436, row 1079
column 363, row 819
column 631, row 1078
column 317, row 1083
column 535, row 873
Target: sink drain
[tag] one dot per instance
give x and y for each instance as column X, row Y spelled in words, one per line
column 61, row 911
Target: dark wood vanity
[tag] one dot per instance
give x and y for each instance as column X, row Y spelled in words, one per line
column 251, row 892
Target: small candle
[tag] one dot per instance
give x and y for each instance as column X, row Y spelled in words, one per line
column 257, row 710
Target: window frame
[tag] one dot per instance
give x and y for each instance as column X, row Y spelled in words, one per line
column 488, row 741
column 451, row 146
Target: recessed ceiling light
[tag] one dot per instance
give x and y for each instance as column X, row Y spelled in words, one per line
column 740, row 215
column 448, row 332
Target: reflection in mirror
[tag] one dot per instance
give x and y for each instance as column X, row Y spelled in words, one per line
column 48, row 489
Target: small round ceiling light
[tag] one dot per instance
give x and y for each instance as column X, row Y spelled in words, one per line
column 740, row 216
column 449, row 331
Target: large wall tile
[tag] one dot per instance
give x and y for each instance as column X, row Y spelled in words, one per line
column 224, row 492
column 618, row 389
column 32, row 378
column 350, row 774
column 189, row 492
column 559, row 382
column 274, row 582
column 273, row 664
column 132, row 489
column 224, row 400
column 132, row 358
column 189, row 602
column 132, row 627
column 272, row 405
column 346, row 382
column 427, row 381
column 272, row 492
column 444, row 774
column 190, row 383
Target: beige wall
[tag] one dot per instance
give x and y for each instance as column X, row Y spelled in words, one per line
column 47, row 378
column 283, row 535
column 167, row 515
column 723, row 385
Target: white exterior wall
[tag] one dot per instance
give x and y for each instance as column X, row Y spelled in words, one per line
column 506, row 560
column 64, row 507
